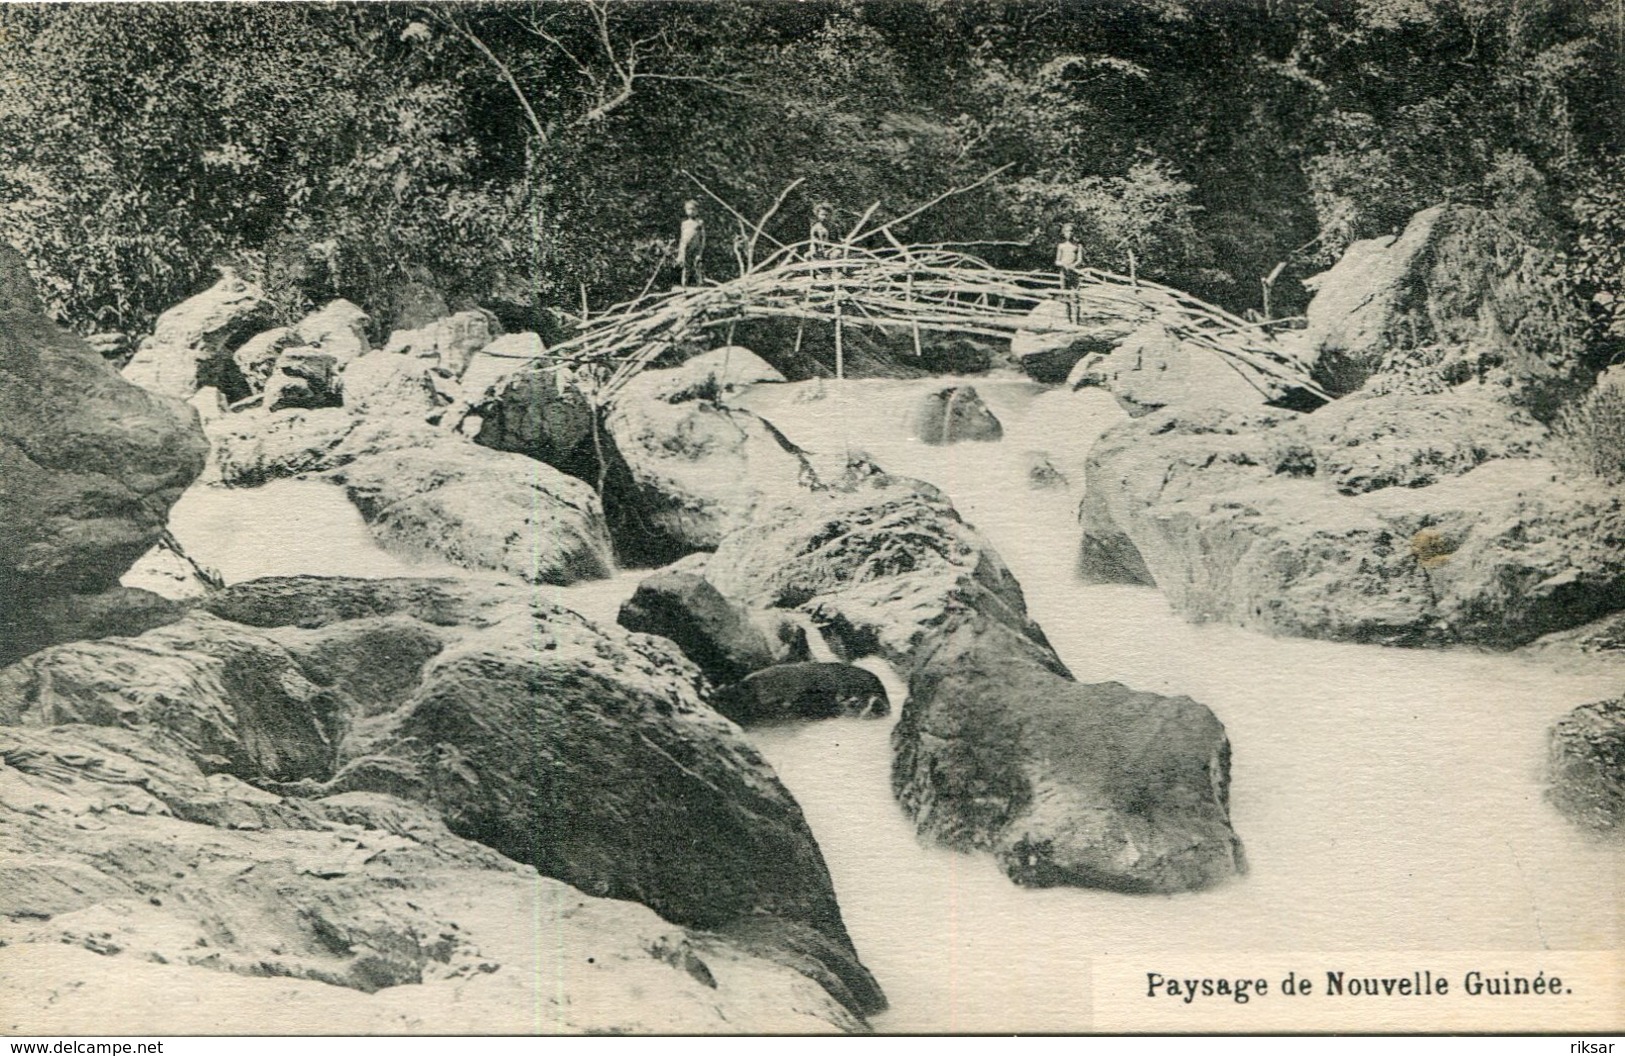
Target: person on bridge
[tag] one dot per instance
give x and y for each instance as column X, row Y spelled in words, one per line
column 1068, row 259
column 820, row 247
column 691, row 244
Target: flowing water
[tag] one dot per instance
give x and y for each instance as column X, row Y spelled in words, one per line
column 1388, row 799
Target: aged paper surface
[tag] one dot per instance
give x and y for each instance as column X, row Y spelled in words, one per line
column 1271, row 817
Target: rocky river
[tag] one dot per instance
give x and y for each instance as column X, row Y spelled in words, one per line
column 784, row 703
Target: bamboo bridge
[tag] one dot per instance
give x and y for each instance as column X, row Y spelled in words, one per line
column 935, row 287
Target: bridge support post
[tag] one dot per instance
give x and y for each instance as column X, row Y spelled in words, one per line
column 840, row 353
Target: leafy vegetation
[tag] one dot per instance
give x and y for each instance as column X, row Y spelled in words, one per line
column 522, row 155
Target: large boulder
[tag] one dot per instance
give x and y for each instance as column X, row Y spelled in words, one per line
column 877, row 564
column 192, row 344
column 435, row 495
column 806, row 690
column 1304, row 526
column 592, row 758
column 1151, row 368
column 305, row 378
column 538, row 411
column 450, row 342
column 338, row 328
column 955, row 414
column 719, row 636
column 1455, row 298
column 1049, row 346
column 1084, row 785
column 386, row 383
column 256, row 358
column 140, row 891
column 1586, row 760
column 687, row 473
column 89, row 463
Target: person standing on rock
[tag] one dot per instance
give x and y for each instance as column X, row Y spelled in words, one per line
column 1068, row 259
column 691, row 244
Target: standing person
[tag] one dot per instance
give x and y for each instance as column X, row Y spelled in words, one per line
column 821, row 247
column 691, row 244
column 1068, row 258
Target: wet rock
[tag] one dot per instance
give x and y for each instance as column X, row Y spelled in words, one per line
column 338, row 328
column 1085, row 785
column 1586, row 759
column 1248, row 519
column 953, row 415
column 89, row 463
column 304, row 379
column 803, row 691
column 717, row 635
column 256, row 358
column 1151, row 368
column 1043, row 474
column 1455, row 299
column 688, row 473
column 877, row 564
column 192, row 344
column 445, row 498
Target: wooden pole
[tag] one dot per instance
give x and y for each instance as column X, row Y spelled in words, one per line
column 840, row 355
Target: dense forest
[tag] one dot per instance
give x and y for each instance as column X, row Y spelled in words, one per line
column 524, row 156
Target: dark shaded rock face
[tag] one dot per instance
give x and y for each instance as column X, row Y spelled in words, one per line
column 867, row 352
column 590, row 756
column 541, row 413
column 1455, row 298
column 711, row 631
column 89, row 463
column 1088, row 785
column 803, row 691
column 304, row 378
column 1377, row 519
column 1586, row 760
column 955, row 414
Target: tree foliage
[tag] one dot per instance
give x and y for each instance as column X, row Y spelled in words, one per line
column 517, row 154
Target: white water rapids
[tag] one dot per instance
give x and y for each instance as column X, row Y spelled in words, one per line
column 1388, row 799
